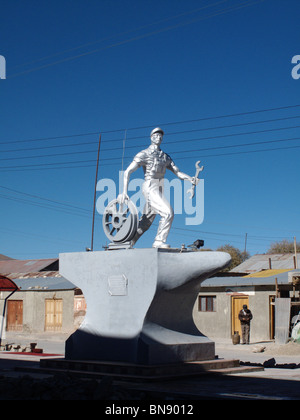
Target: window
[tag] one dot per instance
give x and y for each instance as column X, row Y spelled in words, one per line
column 207, row 304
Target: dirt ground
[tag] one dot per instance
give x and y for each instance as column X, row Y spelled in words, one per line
column 289, row 349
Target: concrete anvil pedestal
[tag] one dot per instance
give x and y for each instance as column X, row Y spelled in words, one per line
column 139, row 304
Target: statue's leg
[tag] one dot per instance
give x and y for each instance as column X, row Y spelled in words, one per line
column 148, row 215
column 161, row 206
column 144, row 224
column 167, row 215
column 155, row 204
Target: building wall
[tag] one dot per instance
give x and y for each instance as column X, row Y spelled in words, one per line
column 34, row 309
column 214, row 324
column 218, row 324
column 260, row 308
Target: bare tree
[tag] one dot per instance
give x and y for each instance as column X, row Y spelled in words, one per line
column 237, row 256
column 283, row 247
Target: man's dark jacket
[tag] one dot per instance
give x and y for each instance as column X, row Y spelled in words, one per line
column 245, row 316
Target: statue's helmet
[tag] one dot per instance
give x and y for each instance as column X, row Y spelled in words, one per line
column 157, row 130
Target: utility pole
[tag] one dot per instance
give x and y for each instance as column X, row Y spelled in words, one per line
column 93, row 223
column 245, row 244
column 295, row 250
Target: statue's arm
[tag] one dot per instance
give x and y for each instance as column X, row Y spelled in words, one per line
column 181, row 175
column 131, row 168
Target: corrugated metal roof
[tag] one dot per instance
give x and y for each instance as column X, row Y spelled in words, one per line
column 42, row 280
column 282, row 278
column 267, row 273
column 44, row 284
column 260, row 262
column 37, row 274
column 25, row 266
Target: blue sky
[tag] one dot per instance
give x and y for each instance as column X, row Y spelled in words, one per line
column 215, row 75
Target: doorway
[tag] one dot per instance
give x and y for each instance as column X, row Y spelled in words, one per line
column 14, row 320
column 272, row 317
column 237, row 303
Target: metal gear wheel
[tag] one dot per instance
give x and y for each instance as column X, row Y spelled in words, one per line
column 120, row 221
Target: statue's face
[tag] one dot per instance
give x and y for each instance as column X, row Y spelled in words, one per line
column 156, row 138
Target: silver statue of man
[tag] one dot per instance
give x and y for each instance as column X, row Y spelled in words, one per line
column 154, row 162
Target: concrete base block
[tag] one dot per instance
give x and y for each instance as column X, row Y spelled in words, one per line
column 149, row 348
column 139, row 304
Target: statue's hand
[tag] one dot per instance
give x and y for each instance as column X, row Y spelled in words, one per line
column 195, row 180
column 122, row 198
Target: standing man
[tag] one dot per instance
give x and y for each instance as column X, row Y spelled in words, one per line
column 245, row 317
column 155, row 163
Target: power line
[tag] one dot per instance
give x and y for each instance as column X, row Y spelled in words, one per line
column 175, row 152
column 241, row 235
column 39, row 236
column 226, row 237
column 138, row 37
column 122, row 33
column 45, row 206
column 238, row 145
column 168, row 135
column 150, row 126
column 186, row 230
column 82, row 163
column 63, row 203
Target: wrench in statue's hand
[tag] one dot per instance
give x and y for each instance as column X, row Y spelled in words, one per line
column 198, row 169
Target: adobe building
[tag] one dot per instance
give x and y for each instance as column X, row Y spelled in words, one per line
column 43, row 301
column 257, row 283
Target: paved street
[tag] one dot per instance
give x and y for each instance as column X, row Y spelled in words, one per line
column 280, row 381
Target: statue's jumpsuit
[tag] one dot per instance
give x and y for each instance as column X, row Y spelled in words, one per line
column 154, row 163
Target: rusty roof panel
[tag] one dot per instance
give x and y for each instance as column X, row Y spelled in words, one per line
column 4, row 257
column 38, row 274
column 7, row 285
column 26, row 266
